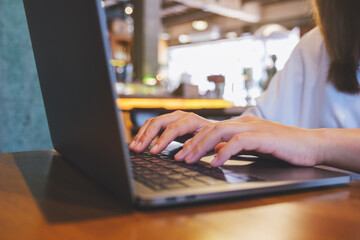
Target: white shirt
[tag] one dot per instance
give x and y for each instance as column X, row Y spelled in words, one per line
column 300, row 95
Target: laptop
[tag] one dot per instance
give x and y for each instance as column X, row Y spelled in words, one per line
column 72, row 54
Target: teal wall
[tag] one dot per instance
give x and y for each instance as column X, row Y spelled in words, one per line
column 23, row 124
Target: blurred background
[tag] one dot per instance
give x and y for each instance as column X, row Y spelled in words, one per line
column 228, row 49
column 166, row 55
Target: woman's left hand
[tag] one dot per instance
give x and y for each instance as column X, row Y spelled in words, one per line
column 295, row 145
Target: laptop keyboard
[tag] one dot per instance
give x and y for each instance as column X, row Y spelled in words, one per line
column 161, row 172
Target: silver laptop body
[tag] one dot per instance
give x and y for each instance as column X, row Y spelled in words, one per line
column 72, row 54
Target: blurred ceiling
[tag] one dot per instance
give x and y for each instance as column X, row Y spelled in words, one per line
column 177, row 11
column 233, row 15
column 224, row 16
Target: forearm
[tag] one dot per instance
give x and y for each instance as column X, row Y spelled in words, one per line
column 340, row 148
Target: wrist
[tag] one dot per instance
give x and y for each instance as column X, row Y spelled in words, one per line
column 322, row 145
column 338, row 148
column 329, row 142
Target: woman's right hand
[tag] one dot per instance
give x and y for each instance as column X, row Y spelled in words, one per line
column 174, row 124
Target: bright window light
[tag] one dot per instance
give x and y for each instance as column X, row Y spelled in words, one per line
column 231, row 35
column 129, row 10
column 230, row 58
column 200, row 25
column 184, row 38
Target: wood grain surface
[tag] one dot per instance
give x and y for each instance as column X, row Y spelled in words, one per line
column 43, row 197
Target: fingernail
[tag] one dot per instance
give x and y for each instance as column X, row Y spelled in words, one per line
column 138, row 145
column 214, row 162
column 178, row 156
column 132, row 144
column 189, row 157
column 154, row 148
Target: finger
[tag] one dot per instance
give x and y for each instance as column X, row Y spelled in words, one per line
column 187, row 141
column 200, row 145
column 219, row 146
column 151, row 130
column 178, row 154
column 240, row 142
column 175, row 129
column 188, row 145
column 139, row 134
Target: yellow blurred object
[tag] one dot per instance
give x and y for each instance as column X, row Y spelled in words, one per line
column 117, row 63
column 171, row 103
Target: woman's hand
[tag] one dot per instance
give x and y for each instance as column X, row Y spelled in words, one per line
column 292, row 144
column 298, row 146
column 176, row 124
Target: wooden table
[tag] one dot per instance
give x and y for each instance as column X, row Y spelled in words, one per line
column 43, row 197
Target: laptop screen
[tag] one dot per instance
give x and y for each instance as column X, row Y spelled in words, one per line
column 72, row 54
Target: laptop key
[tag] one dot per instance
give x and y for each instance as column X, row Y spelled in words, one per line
column 164, row 163
column 166, row 172
column 162, row 180
column 157, row 168
column 176, row 176
column 156, row 160
column 182, row 170
column 192, row 174
column 173, row 185
column 155, row 187
column 174, row 166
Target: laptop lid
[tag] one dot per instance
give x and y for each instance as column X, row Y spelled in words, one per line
column 72, row 54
